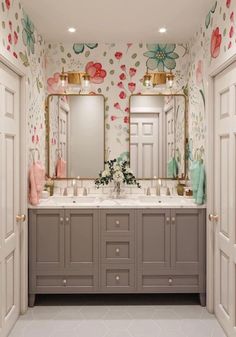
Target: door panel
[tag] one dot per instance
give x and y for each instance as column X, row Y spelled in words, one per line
column 9, row 199
column 224, row 198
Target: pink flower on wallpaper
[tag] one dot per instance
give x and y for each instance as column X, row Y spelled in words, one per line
column 199, row 72
column 120, row 85
column 15, row 55
column 228, row 3
column 229, row 45
column 113, row 118
column 35, row 139
column 118, row 55
column 8, row 47
column 127, row 109
column 117, row 106
column 231, row 32
column 232, row 17
column 54, row 84
column 15, row 37
column 8, row 3
column 126, row 119
column 9, row 38
column 131, row 86
column 123, row 67
column 10, row 25
column 132, row 72
column 216, row 40
column 122, row 77
column 96, row 73
column 122, row 95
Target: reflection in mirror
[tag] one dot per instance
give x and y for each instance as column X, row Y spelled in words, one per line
column 157, row 135
column 76, row 136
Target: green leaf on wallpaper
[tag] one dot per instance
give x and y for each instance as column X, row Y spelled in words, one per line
column 63, row 61
column 224, row 32
column 134, row 56
column 111, row 61
column 3, row 7
column 69, row 55
column 18, row 29
column 105, row 53
column 108, row 126
column 208, row 20
column 107, row 88
column 16, row 16
column 39, row 84
column 113, row 44
column 87, row 53
column 214, row 7
column 24, row 59
column 127, row 139
column 112, row 72
column 99, row 90
column 140, row 45
column 3, row 24
column 137, row 64
column 62, row 49
column 107, row 108
column 112, row 83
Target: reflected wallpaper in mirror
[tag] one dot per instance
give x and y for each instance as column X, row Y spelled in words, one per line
column 76, row 136
column 157, row 135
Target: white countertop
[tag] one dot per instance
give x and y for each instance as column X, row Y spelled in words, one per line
column 130, row 201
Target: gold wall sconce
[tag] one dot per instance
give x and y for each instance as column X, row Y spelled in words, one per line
column 158, row 78
column 73, row 80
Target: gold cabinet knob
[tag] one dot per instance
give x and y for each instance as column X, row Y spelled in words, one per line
column 117, row 251
column 173, row 219
column 61, row 219
column 64, row 282
column 167, row 219
column 20, row 218
column 117, row 278
column 117, row 222
column 213, row 217
column 67, row 219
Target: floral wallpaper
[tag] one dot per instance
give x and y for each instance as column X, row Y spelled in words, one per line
column 213, row 44
column 24, row 46
column 116, row 71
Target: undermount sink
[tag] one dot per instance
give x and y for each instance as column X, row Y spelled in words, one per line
column 74, row 200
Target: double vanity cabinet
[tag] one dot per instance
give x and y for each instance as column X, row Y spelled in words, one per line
column 117, row 250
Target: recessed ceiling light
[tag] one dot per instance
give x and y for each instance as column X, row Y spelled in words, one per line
column 162, row 30
column 71, row 30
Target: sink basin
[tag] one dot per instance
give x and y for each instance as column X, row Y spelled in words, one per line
column 63, row 200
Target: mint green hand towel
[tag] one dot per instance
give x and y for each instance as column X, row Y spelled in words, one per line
column 197, row 176
column 172, row 168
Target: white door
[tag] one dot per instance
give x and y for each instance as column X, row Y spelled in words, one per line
column 144, row 145
column 9, row 199
column 224, row 199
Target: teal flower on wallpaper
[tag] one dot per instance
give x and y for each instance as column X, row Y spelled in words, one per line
column 28, row 34
column 161, row 56
column 79, row 47
column 208, row 17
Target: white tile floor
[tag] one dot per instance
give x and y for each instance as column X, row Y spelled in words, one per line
column 117, row 321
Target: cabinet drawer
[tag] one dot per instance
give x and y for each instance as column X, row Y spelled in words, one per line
column 117, row 222
column 54, row 283
column 181, row 283
column 118, row 278
column 118, row 251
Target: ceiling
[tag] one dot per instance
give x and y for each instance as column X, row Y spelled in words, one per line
column 117, row 20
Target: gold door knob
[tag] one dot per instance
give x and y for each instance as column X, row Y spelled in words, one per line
column 213, row 217
column 20, row 218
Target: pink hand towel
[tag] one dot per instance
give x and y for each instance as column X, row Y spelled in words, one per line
column 36, row 182
column 61, row 168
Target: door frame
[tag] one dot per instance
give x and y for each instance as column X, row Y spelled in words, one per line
column 21, row 72
column 210, row 177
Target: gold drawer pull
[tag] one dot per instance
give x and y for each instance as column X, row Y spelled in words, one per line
column 117, row 222
column 117, row 278
column 167, row 219
column 61, row 219
column 173, row 219
column 64, row 283
column 170, row 281
column 67, row 219
column 117, row 251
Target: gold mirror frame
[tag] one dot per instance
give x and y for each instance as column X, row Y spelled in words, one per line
column 185, row 130
column 47, row 134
